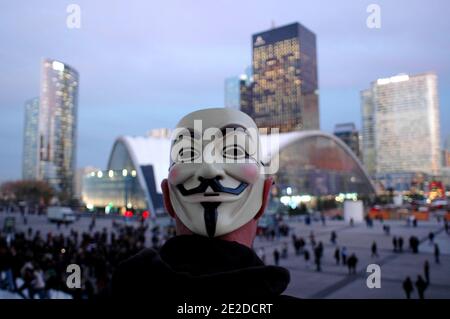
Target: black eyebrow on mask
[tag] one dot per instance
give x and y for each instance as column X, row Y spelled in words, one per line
column 192, row 134
column 232, row 126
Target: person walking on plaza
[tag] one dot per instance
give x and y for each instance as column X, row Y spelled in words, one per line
column 284, row 251
column 297, row 246
column 421, row 286
column 431, row 238
column 374, row 250
column 344, row 255
column 276, row 256
column 400, row 244
column 446, row 227
column 318, row 257
column 322, row 218
column 426, row 271
column 414, row 244
column 387, row 230
column 408, row 287
column 312, row 239
column 352, row 262
column 320, row 246
column 307, row 257
column 337, row 255
column 333, row 237
column 437, row 253
column 395, row 243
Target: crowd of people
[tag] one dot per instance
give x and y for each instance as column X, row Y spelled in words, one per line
column 33, row 264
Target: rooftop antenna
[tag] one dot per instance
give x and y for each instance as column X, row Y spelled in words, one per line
column 272, row 24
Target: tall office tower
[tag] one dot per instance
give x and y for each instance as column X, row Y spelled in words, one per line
column 58, row 125
column 402, row 113
column 30, row 166
column 447, row 143
column 348, row 133
column 368, row 132
column 446, row 153
column 285, row 86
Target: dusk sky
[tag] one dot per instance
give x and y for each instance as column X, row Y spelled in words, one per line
column 144, row 64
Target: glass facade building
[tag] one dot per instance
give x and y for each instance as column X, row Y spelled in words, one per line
column 113, row 190
column 30, row 166
column 368, row 131
column 312, row 164
column 238, row 92
column 348, row 133
column 232, row 92
column 58, row 125
column 132, row 180
column 285, row 90
column 401, row 125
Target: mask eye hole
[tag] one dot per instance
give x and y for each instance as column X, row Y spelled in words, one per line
column 187, row 154
column 234, row 152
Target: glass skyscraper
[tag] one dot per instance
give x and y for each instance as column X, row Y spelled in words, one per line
column 232, row 92
column 348, row 133
column 285, row 85
column 30, row 166
column 401, row 125
column 238, row 91
column 58, row 125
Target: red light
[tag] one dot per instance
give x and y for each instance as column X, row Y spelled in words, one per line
column 128, row 213
column 145, row 214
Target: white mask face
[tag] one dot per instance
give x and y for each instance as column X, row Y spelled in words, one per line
column 215, row 179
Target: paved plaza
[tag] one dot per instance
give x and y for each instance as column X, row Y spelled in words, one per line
column 333, row 281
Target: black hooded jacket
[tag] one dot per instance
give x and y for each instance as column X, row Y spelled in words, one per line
column 192, row 267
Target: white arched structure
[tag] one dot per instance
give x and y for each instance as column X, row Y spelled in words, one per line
column 139, row 153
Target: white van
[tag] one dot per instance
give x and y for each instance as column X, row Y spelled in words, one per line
column 61, row 214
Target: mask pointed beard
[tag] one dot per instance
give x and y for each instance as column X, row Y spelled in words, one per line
column 210, row 216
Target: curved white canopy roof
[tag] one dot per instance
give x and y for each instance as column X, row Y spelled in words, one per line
column 155, row 151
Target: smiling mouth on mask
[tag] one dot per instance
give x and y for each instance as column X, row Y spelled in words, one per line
column 210, row 213
column 215, row 185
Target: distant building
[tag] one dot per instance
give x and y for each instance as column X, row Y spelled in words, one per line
column 446, row 153
column 238, row 92
column 368, row 148
column 445, row 158
column 313, row 164
column 30, row 164
column 400, row 118
column 79, row 176
column 160, row 132
column 232, row 92
column 285, row 89
column 50, row 132
column 447, row 143
column 348, row 133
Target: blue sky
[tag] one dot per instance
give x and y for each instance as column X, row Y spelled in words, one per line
column 144, row 64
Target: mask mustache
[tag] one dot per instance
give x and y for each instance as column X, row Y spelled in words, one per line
column 214, row 184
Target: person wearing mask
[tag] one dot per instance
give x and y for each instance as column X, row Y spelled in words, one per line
column 216, row 191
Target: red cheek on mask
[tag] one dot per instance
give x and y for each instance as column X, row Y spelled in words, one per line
column 250, row 172
column 173, row 174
